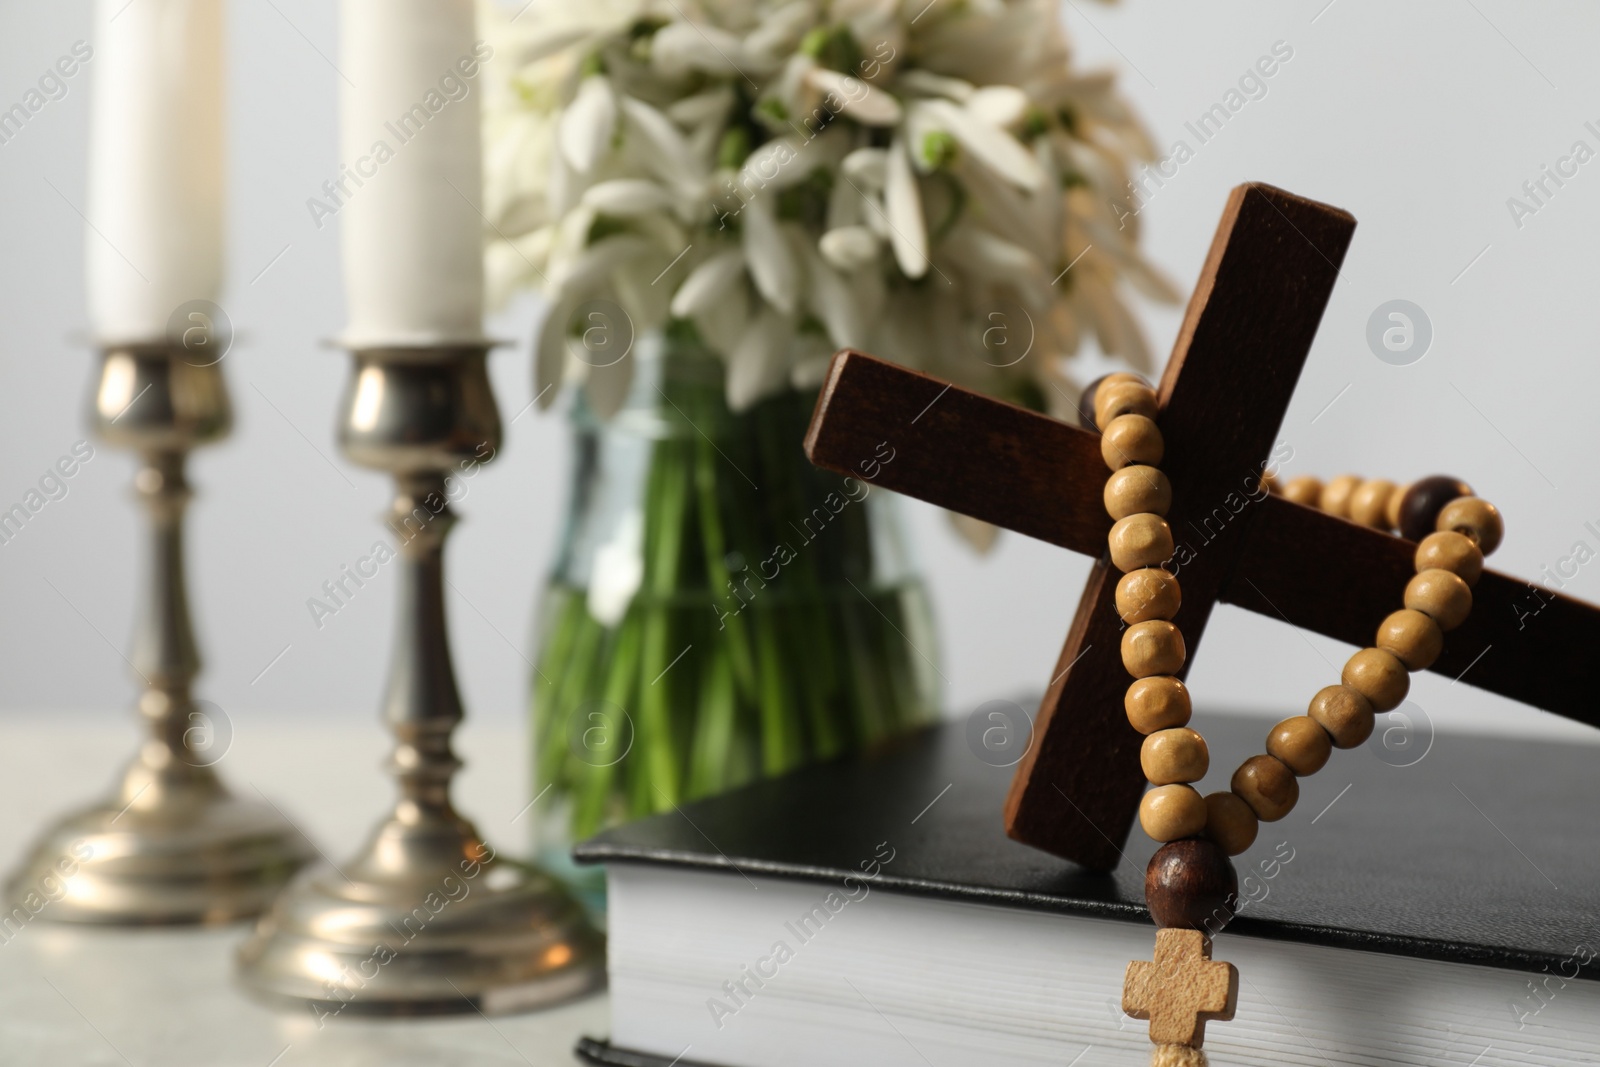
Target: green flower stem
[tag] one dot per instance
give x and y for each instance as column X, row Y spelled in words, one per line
column 593, row 781
column 763, row 633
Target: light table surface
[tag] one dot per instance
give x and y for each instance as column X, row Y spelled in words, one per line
column 165, row 996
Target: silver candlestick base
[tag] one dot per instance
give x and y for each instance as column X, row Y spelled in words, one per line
column 171, row 844
column 426, row 918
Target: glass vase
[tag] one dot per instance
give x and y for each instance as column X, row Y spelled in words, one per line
column 719, row 610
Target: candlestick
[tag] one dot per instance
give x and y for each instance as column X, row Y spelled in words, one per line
column 157, row 174
column 171, row 844
column 412, row 239
column 426, row 917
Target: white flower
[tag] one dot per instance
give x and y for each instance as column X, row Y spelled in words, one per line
column 835, row 303
column 1001, row 106
column 866, row 165
column 588, row 124
column 994, row 146
column 908, row 231
column 794, row 176
column 779, row 33
column 849, row 248
column 707, row 284
column 767, row 253
column 711, row 106
column 626, row 197
column 760, row 362
column 679, row 48
column 854, row 97
column 658, row 147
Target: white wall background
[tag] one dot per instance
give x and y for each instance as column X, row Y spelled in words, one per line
column 1422, row 119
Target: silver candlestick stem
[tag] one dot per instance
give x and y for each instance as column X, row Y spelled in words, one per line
column 426, row 918
column 171, row 844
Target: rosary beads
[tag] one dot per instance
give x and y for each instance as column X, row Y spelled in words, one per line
column 1190, row 884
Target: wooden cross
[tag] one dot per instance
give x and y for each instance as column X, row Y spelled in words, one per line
column 1249, row 327
column 1181, row 990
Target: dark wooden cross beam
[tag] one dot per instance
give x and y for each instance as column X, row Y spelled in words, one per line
column 1249, row 327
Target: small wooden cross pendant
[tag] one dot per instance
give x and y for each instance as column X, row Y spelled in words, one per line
column 1181, row 990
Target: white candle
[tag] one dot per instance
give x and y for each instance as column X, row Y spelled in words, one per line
column 410, row 174
column 157, row 167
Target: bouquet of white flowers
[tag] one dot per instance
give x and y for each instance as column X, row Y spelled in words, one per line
column 755, row 184
column 929, row 180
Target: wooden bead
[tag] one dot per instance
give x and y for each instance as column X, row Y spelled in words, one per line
column 1391, row 510
column 1086, row 401
column 1191, row 885
column 1369, row 504
column 1147, row 593
column 1131, row 439
column 1442, row 595
column 1136, row 489
column 1306, row 489
column 1169, row 812
column 1140, row 541
column 1424, row 499
column 1378, row 676
column 1116, row 399
column 1230, row 822
column 1337, row 493
column 1154, row 647
column 1269, row 787
column 1453, row 552
column 1344, row 713
column 1477, row 519
column 1157, row 703
column 1300, row 745
column 1176, row 755
column 1414, row 638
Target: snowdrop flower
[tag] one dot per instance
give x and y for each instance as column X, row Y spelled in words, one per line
column 587, row 125
column 849, row 248
column 794, row 176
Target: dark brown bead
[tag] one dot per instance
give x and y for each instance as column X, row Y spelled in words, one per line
column 1086, row 405
column 1424, row 499
column 1191, row 885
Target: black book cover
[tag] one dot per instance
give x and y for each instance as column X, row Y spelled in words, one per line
column 1482, row 850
